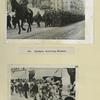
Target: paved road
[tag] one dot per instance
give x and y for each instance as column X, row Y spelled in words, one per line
column 17, row 97
column 74, row 31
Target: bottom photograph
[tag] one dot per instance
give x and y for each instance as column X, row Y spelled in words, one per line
column 28, row 83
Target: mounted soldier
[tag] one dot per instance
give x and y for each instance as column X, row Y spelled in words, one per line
column 22, row 13
column 24, row 4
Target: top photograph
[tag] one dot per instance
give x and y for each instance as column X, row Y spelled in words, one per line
column 46, row 19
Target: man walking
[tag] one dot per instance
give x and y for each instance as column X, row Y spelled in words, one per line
column 35, row 90
column 26, row 89
column 9, row 22
column 38, row 19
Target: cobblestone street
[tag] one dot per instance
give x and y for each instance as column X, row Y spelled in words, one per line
column 74, row 31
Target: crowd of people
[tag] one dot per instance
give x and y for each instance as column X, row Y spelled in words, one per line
column 44, row 89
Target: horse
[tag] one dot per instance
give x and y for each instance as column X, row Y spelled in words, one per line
column 22, row 14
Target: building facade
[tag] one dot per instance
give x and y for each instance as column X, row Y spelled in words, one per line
column 74, row 6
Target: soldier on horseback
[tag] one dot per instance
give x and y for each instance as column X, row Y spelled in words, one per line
column 22, row 14
column 24, row 3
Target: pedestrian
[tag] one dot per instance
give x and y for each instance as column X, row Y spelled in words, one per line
column 40, row 89
column 26, row 89
column 16, row 87
column 20, row 88
column 60, row 90
column 12, row 88
column 45, row 91
column 35, row 90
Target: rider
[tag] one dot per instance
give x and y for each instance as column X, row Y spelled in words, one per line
column 24, row 4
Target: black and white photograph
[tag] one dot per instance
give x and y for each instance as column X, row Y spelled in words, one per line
column 46, row 19
column 42, row 83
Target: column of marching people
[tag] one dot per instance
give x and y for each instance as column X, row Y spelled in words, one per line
column 51, row 18
column 39, row 90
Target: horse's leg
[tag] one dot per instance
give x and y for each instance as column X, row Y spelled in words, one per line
column 22, row 25
column 30, row 27
column 19, row 27
column 45, row 23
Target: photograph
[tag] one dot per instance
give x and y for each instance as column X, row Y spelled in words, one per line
column 27, row 83
column 45, row 19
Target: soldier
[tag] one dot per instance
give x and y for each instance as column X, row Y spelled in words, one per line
column 24, row 4
column 59, row 17
column 38, row 19
column 14, row 21
column 47, row 18
column 50, row 18
column 53, row 18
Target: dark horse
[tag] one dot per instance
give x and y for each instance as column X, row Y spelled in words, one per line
column 22, row 14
